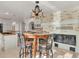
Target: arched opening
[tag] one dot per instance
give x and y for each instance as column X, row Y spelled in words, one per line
column 31, row 25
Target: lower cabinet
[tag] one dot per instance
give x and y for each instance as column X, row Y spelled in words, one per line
column 66, row 47
column 9, row 41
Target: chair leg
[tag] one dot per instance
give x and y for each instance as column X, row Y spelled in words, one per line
column 40, row 54
column 31, row 53
column 52, row 53
column 47, row 53
column 20, row 53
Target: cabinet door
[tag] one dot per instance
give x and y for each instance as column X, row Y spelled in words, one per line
column 0, row 42
column 63, row 46
column 10, row 41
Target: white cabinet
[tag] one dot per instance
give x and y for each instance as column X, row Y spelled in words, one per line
column 0, row 41
column 10, row 41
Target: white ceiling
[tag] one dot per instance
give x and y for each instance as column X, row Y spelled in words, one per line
column 24, row 8
column 65, row 4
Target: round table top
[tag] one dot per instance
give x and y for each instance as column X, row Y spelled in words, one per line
column 36, row 34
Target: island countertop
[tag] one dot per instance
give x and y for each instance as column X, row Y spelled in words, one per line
column 8, row 33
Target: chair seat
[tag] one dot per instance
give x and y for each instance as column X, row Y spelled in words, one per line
column 28, row 43
column 48, row 47
column 42, row 47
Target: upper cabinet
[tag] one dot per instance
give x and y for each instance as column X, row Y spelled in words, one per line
column 71, row 13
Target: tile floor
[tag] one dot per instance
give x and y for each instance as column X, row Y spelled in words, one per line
column 63, row 53
column 58, row 53
column 11, row 53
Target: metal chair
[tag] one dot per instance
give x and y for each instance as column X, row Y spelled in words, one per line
column 25, row 46
column 28, row 47
column 20, row 45
column 45, row 47
column 42, row 47
column 49, row 47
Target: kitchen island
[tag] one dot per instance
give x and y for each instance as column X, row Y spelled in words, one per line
column 8, row 40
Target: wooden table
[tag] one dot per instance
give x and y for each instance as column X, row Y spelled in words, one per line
column 35, row 36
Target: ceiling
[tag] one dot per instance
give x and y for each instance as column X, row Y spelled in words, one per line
column 21, row 9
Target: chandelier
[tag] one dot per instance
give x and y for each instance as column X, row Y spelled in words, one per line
column 36, row 11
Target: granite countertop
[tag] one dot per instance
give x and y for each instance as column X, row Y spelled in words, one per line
column 8, row 33
column 37, row 32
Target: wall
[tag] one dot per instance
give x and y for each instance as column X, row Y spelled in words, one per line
column 70, row 21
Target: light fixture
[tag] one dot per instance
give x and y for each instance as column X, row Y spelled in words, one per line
column 37, row 9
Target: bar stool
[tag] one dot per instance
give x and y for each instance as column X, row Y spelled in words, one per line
column 42, row 47
column 24, row 44
column 20, row 45
column 28, row 47
column 49, row 46
column 32, row 38
column 28, row 40
column 45, row 47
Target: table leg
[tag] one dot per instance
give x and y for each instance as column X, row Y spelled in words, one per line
column 25, row 49
column 34, row 47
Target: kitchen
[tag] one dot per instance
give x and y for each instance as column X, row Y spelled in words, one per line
column 22, row 21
